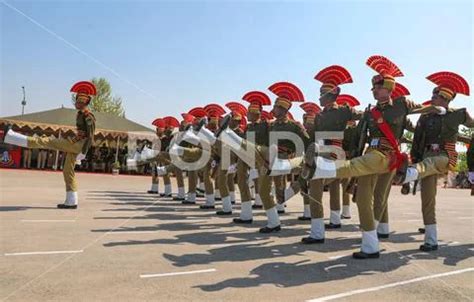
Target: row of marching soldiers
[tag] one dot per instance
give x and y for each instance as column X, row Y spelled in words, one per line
column 343, row 148
column 369, row 140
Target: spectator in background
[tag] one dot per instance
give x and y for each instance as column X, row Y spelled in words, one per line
column 26, row 158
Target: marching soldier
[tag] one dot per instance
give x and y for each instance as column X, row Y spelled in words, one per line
column 186, row 123
column 385, row 122
column 384, row 181
column 75, row 148
column 311, row 110
column 434, row 147
column 266, row 118
column 214, row 113
column 257, row 129
column 199, row 114
column 170, row 124
column 285, row 158
column 160, row 128
column 332, row 118
column 226, row 174
column 348, row 145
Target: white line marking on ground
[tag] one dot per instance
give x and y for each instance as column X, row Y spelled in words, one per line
column 413, row 220
column 327, row 269
column 178, row 273
column 32, row 220
column 377, row 288
column 465, row 218
column 131, row 232
column 337, row 257
column 43, row 253
column 454, row 243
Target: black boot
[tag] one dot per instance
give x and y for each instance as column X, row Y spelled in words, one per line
column 304, row 218
column 362, row 255
column 332, row 226
column 311, row 240
column 222, row 213
column 267, row 230
column 241, row 221
column 207, row 207
column 428, row 247
column 66, row 206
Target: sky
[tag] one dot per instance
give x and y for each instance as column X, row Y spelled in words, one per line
column 166, row 57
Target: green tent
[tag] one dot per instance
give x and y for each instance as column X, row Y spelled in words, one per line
column 62, row 121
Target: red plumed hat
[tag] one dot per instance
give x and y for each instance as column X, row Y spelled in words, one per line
column 287, row 93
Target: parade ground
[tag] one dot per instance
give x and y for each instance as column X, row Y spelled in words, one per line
column 123, row 244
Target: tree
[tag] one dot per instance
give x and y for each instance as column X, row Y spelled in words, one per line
column 407, row 139
column 462, row 157
column 104, row 101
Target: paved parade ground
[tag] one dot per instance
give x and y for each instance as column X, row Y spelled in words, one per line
column 124, row 245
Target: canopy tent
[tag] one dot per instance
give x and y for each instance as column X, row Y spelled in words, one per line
column 62, row 121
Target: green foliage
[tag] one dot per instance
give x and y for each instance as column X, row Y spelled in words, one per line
column 104, row 101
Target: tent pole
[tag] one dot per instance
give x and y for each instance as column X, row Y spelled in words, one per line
column 117, row 151
column 57, row 153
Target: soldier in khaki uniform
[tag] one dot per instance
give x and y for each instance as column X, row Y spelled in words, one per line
column 214, row 113
column 434, row 147
column 267, row 118
column 159, row 129
column 332, row 118
column 186, row 141
column 75, row 148
column 311, row 110
column 348, row 145
column 285, row 159
column 226, row 174
column 165, row 139
column 192, row 151
column 257, row 129
column 385, row 122
column 384, row 182
column 171, row 124
column 186, row 123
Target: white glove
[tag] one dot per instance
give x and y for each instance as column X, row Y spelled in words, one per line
column 471, row 177
column 232, row 169
column 80, row 157
column 441, row 110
